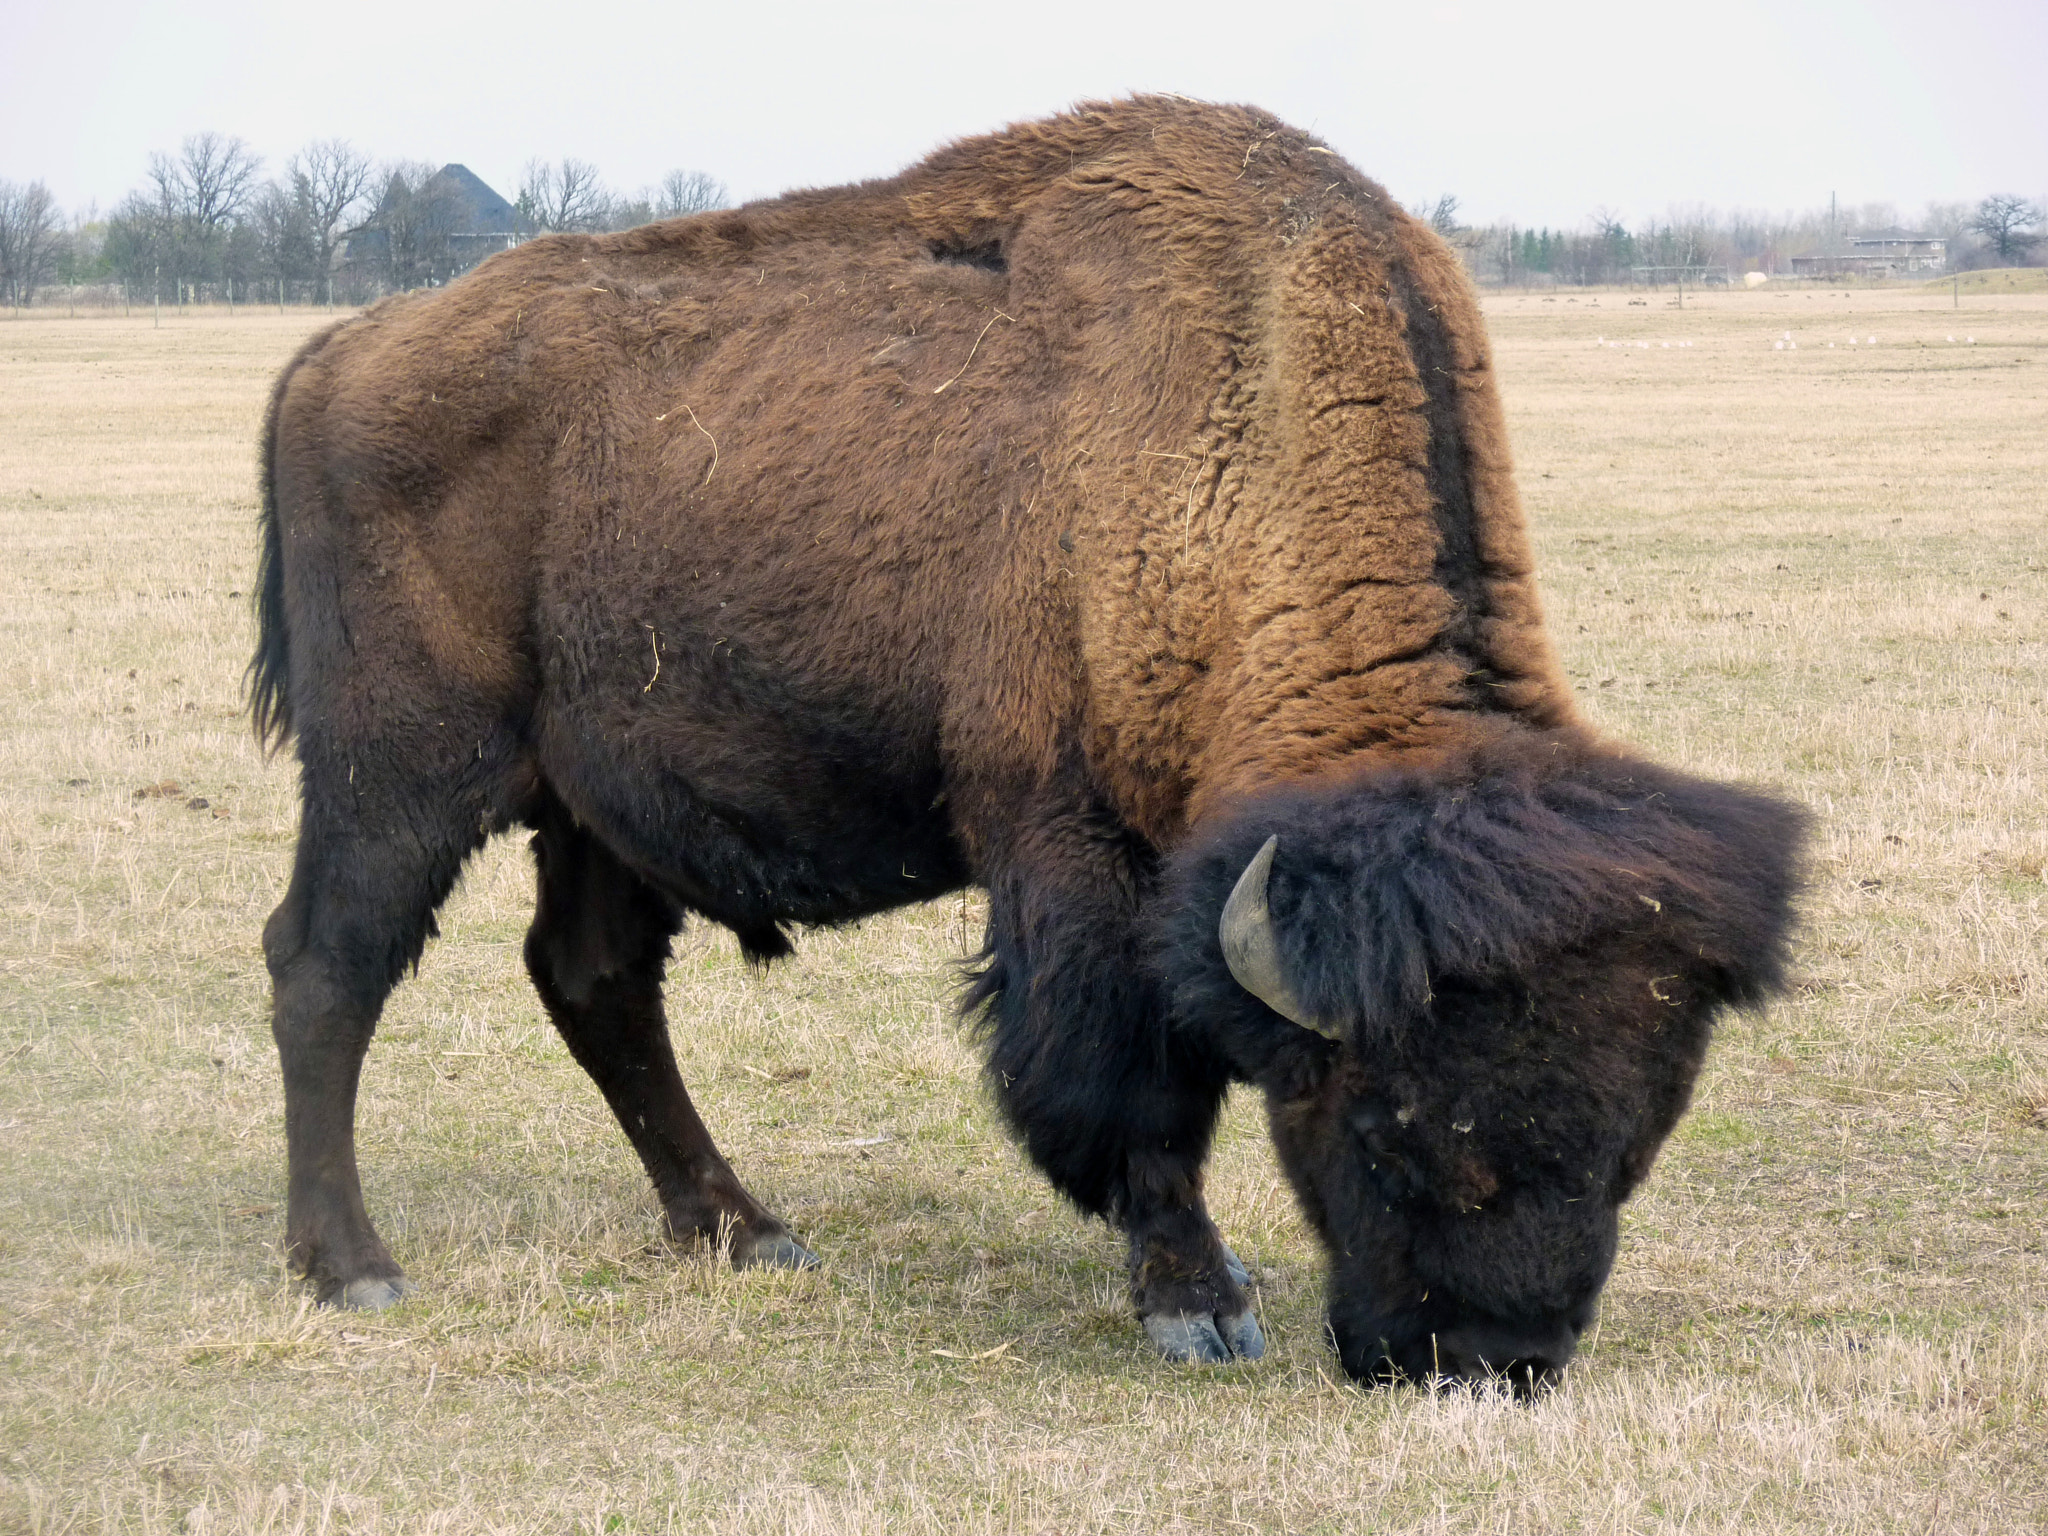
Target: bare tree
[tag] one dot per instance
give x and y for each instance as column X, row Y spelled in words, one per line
column 29, row 236
column 328, row 180
column 1870, row 216
column 81, row 248
column 2008, row 223
column 564, row 197
column 684, row 192
column 1950, row 223
column 631, row 212
column 209, row 181
column 1441, row 215
column 194, row 199
column 142, row 241
column 677, row 194
column 282, row 234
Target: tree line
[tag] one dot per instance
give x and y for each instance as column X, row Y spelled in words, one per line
column 333, row 227
column 2002, row 230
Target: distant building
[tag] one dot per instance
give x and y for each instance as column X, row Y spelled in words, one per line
column 1907, row 250
column 1878, row 253
column 441, row 228
column 487, row 222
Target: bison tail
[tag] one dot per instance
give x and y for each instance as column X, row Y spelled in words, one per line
column 268, row 678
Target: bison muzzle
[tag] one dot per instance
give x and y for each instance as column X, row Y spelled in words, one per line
column 1114, row 513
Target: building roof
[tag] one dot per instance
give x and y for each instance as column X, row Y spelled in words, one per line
column 484, row 211
column 477, row 209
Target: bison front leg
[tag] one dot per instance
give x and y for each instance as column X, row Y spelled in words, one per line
column 596, row 951
column 1116, row 1110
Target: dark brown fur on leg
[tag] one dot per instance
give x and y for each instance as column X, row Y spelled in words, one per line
column 322, row 1034
column 599, row 942
column 1187, row 1287
column 1082, row 1064
column 359, row 908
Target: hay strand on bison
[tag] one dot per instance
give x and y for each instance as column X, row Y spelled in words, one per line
column 1210, row 554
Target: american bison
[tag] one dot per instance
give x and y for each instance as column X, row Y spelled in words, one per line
column 1114, row 513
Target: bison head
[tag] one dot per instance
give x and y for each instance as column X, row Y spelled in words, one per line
column 1477, row 995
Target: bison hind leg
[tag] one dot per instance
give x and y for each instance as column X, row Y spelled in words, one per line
column 380, row 846
column 596, row 953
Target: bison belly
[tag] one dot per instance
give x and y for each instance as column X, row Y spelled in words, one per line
column 740, row 782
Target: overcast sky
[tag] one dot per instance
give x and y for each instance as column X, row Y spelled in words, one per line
column 1529, row 112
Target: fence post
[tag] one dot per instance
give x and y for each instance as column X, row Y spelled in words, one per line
column 156, row 299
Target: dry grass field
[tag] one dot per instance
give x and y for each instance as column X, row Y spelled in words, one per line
column 1822, row 568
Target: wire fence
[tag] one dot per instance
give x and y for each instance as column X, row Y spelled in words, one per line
column 259, row 294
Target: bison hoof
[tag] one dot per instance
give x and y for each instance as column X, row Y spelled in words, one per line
column 373, row 1293
column 1238, row 1272
column 1195, row 1338
column 776, row 1250
column 1242, row 1334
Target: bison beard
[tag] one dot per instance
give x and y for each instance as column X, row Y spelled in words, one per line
column 1114, row 513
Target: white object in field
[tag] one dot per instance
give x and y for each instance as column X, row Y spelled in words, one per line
column 1754, row 279
column 1777, row 346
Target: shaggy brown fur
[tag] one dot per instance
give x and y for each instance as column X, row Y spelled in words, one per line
column 1013, row 520
column 1212, row 467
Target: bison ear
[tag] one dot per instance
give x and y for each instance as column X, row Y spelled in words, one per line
column 1252, row 949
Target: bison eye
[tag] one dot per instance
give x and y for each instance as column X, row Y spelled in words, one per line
column 1373, row 1125
column 1393, row 1177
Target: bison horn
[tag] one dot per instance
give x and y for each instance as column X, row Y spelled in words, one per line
column 1252, row 950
